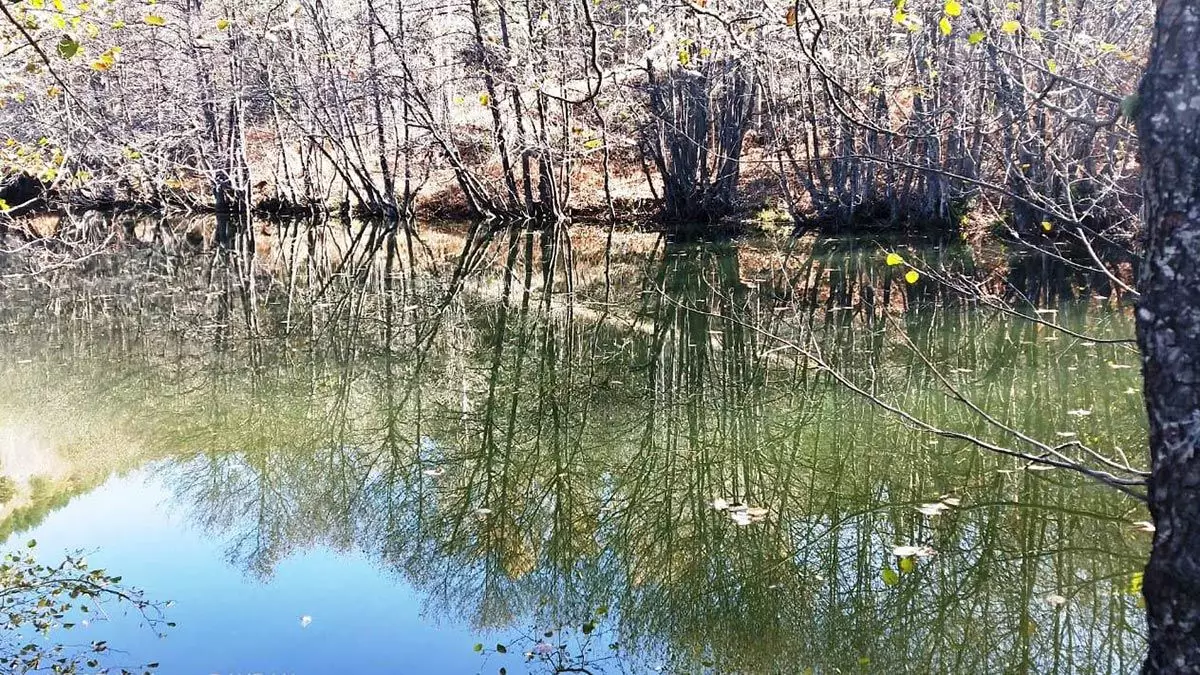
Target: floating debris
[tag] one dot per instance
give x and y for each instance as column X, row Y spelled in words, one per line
column 933, row 509
column 912, row 551
column 1144, row 526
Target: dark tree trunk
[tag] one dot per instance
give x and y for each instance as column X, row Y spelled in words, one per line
column 1168, row 323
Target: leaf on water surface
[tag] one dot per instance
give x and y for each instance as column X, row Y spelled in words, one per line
column 1065, row 434
column 501, row 648
column 478, row 646
column 434, row 472
column 1081, row 412
column 950, row 500
column 933, row 509
column 910, row 551
column 305, row 621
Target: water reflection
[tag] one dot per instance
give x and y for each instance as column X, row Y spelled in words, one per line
column 529, row 429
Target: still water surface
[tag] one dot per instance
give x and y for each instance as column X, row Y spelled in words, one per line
column 370, row 462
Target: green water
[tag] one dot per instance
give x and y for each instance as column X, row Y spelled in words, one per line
column 535, row 444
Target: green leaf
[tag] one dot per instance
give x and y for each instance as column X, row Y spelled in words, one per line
column 501, row 648
column 478, row 646
column 32, row 543
column 588, row 628
column 890, row 577
column 67, row 47
column 975, row 37
column 908, row 564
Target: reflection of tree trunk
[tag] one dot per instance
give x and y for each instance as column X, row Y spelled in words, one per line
column 1168, row 321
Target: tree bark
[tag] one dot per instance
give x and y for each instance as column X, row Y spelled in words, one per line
column 1168, row 325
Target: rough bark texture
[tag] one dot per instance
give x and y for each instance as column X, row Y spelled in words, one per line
column 1168, row 322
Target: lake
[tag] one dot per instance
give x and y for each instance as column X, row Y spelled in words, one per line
column 460, row 451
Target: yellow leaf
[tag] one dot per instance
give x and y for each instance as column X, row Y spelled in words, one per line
column 4, row 205
column 894, row 259
column 484, row 99
column 685, row 57
column 975, row 37
column 101, row 65
column 899, row 16
column 790, row 19
column 155, row 20
column 222, row 24
column 58, row 4
column 1035, row 33
column 593, row 143
column 37, row 4
column 953, row 8
column 118, row 24
column 890, row 577
column 944, row 26
column 1047, row 226
column 912, row 276
column 1009, row 27
column 907, row 565
column 1135, row 582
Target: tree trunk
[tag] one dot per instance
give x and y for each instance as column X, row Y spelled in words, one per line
column 1168, row 324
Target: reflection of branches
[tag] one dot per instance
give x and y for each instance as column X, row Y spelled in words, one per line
column 1049, row 455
